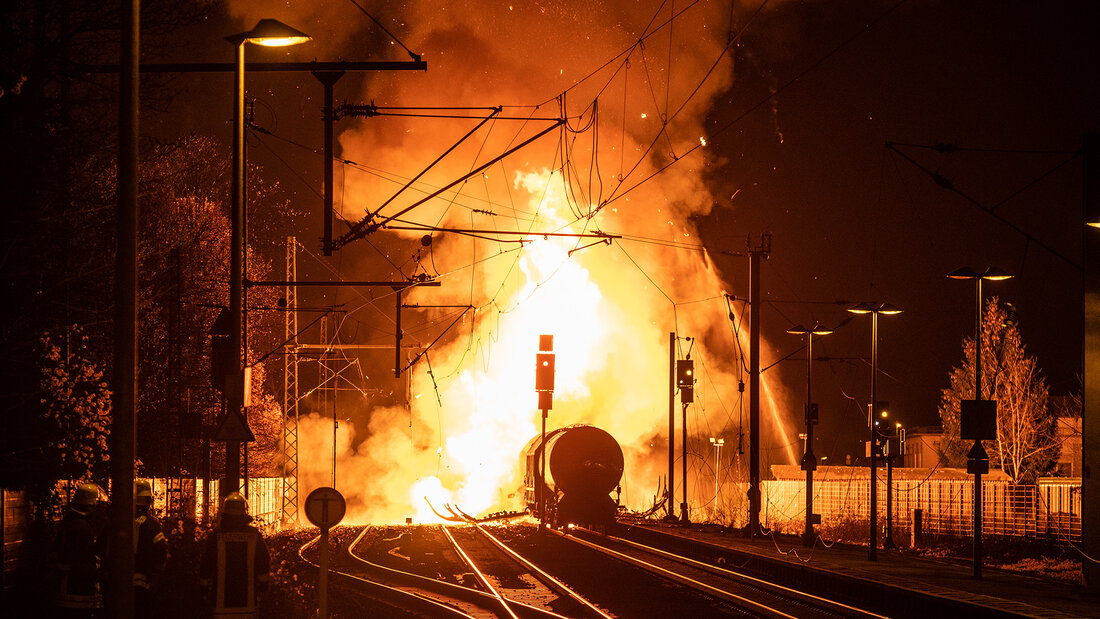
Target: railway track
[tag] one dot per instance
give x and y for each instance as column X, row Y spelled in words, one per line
column 472, row 574
column 386, row 601
column 753, row 595
column 464, row 570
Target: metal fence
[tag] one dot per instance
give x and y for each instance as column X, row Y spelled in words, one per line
column 190, row 498
column 1049, row 510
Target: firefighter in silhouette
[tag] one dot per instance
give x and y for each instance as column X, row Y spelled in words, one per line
column 150, row 549
column 235, row 564
column 80, row 555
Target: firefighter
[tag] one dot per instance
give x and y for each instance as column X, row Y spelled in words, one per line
column 150, row 549
column 80, row 555
column 235, row 563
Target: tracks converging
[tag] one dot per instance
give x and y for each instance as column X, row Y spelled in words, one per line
column 464, row 570
column 476, row 575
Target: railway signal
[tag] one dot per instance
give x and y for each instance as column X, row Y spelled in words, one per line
column 544, row 386
column 544, row 376
column 685, row 379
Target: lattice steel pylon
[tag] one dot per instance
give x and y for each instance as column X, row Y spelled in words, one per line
column 290, row 391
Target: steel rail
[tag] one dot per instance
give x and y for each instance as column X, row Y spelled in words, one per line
column 480, row 576
column 825, row 603
column 680, row 578
column 405, row 599
column 545, row 577
column 467, row 594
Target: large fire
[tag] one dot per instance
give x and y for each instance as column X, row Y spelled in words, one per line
column 610, row 308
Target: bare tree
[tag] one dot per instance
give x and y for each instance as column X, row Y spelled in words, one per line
column 1025, row 446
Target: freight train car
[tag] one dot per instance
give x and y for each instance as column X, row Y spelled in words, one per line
column 584, row 464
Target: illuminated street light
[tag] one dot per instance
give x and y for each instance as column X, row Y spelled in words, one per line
column 269, row 33
column 809, row 462
column 981, row 417
column 874, row 309
column 717, row 442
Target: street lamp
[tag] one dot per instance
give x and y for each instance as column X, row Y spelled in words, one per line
column 269, row 33
column 874, row 309
column 717, row 442
column 978, row 418
column 809, row 462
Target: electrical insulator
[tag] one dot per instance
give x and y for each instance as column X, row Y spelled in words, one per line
column 685, row 380
column 544, row 371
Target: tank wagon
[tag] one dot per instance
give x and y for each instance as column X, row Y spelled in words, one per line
column 584, row 464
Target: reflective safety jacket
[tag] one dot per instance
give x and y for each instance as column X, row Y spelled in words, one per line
column 78, row 561
column 235, row 563
column 150, row 550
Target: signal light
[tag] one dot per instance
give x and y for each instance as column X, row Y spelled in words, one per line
column 544, row 371
column 685, row 380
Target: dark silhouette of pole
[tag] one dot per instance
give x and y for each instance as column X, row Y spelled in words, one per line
column 684, row 457
column 874, row 309
column 809, row 460
column 270, row 32
column 328, row 80
column 872, row 552
column 754, row 254
column 978, row 450
column 1090, row 418
column 124, row 398
column 888, row 540
column 235, row 388
column 978, row 443
column 977, row 459
column 671, row 425
column 754, row 389
column 542, row 475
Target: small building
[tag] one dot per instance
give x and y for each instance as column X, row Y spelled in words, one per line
column 1068, row 435
column 922, row 446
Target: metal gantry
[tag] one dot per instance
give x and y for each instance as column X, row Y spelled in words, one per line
column 290, row 390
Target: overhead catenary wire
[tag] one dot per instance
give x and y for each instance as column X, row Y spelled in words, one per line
column 946, row 183
column 386, row 30
column 770, row 97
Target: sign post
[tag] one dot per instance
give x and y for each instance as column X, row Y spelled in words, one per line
column 325, row 507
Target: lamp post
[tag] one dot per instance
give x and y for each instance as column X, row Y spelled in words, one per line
column 874, row 309
column 978, row 420
column 269, row 33
column 717, row 442
column 809, row 462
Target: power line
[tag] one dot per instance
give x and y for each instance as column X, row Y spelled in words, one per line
column 737, row 119
column 384, row 29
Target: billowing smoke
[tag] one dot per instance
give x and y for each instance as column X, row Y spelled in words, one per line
column 631, row 160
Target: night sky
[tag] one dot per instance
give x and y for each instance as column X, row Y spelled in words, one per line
column 850, row 219
column 854, row 221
